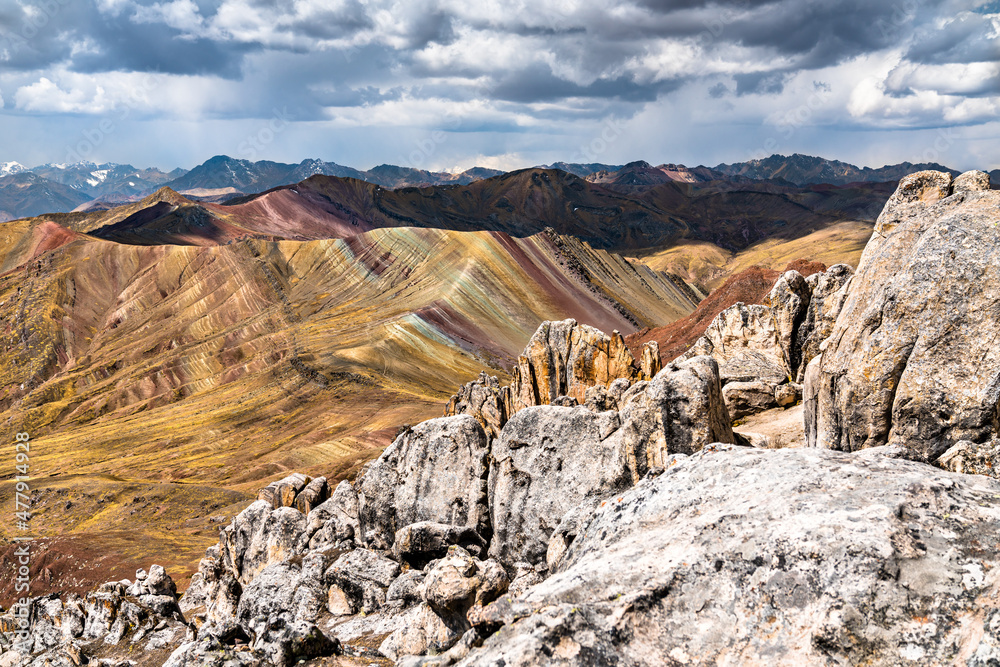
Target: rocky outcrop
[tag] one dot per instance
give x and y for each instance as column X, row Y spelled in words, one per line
column 827, row 293
column 763, row 349
column 679, row 411
column 911, row 360
column 564, row 363
column 136, row 616
column 741, row 556
column 563, row 359
column 484, row 399
column 434, row 472
column 430, row 534
column 548, row 460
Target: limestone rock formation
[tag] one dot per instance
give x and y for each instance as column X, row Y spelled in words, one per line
column 484, row 399
column 434, row 472
column 564, row 363
column 261, row 535
column 563, row 359
column 547, row 460
column 763, row 348
column 827, row 293
column 679, row 411
column 911, row 360
column 744, row 556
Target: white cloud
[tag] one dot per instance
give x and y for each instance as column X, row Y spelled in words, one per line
column 182, row 15
column 121, row 94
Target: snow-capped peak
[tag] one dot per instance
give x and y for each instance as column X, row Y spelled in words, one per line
column 9, row 168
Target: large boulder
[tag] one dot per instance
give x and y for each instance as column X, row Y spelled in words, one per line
column 547, row 460
column 912, row 358
column 436, row 472
column 261, row 535
column 757, row 557
column 677, row 412
column 744, row 340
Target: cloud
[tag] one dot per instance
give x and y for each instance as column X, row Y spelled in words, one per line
column 523, row 71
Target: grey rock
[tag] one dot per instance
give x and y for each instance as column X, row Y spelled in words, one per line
column 911, row 358
column 971, row 181
column 407, row 589
column 289, row 587
column 422, row 631
column 524, row 576
column 743, row 555
column 547, row 460
column 434, row 472
column 158, row 582
column 569, row 527
column 335, row 521
column 598, row 399
column 828, row 292
column 484, row 399
column 972, row 458
column 678, row 412
column 364, row 577
column 284, row 644
column 788, row 301
column 259, row 536
column 748, row 398
column 451, row 583
column 420, row 543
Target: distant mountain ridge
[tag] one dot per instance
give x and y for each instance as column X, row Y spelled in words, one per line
column 248, row 177
column 806, row 169
column 101, row 186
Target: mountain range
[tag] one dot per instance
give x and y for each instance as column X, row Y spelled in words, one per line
column 62, row 187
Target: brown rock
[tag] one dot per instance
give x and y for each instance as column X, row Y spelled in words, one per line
column 484, row 399
column 315, row 493
column 563, row 359
column 649, row 362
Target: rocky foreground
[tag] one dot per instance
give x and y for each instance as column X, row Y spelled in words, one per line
column 600, row 510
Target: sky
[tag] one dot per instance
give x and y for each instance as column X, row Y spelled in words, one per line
column 448, row 84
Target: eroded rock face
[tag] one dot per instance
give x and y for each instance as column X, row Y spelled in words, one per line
column 261, row 535
column 484, row 399
column 911, row 359
column 678, row 412
column 741, row 555
column 788, row 302
column 435, row 472
column 547, row 460
column 827, row 293
column 563, row 359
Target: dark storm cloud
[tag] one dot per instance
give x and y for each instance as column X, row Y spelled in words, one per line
column 75, row 34
column 539, row 84
column 964, row 40
column 761, row 83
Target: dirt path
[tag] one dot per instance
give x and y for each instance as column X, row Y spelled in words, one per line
column 782, row 427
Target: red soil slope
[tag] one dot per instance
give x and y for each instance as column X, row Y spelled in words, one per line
column 749, row 286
